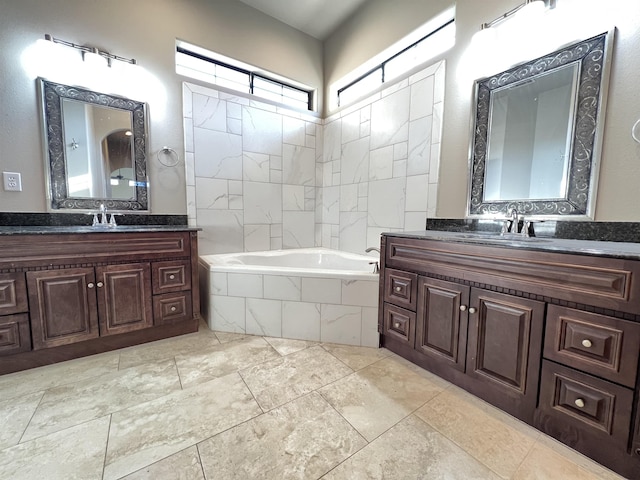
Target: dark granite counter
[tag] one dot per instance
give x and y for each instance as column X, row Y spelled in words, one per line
column 46, row 230
column 624, row 250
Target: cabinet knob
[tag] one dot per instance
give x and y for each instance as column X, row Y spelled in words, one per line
column 90, row 285
column 463, row 308
column 172, row 276
column 472, row 310
column 100, row 284
column 579, row 402
column 587, row 343
column 398, row 288
column 396, row 325
column 173, row 309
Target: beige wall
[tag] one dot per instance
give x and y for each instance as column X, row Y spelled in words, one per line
column 381, row 23
column 145, row 30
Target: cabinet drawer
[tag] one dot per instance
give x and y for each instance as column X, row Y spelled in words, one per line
column 15, row 336
column 171, row 276
column 577, row 402
column 399, row 324
column 400, row 288
column 13, row 293
column 601, row 345
column 172, row 308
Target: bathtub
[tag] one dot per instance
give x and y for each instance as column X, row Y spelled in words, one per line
column 312, row 294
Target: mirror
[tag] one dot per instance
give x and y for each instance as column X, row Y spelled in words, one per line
column 536, row 136
column 96, row 149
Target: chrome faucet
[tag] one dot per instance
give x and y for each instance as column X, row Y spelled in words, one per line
column 103, row 215
column 103, row 220
column 376, row 265
column 513, row 213
column 371, row 249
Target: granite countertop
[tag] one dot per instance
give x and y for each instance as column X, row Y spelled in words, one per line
column 623, row 250
column 45, row 230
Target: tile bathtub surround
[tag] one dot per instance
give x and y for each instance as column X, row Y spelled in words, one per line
column 263, row 408
column 261, row 177
column 304, row 308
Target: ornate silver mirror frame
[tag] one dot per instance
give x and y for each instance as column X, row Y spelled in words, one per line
column 52, row 96
column 592, row 56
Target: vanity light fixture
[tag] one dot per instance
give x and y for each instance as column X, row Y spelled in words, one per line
column 92, row 54
column 529, row 8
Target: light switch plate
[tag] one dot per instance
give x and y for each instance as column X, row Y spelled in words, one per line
column 12, row 181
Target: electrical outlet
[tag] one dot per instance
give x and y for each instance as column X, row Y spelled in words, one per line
column 12, row 181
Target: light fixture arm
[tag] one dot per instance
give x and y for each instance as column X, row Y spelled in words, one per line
column 550, row 4
column 85, row 49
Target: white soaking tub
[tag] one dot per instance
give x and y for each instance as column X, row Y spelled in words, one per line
column 308, row 294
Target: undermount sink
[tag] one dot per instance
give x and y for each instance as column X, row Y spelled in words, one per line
column 488, row 237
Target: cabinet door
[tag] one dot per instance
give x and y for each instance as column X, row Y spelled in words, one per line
column 62, row 304
column 503, row 352
column 124, row 297
column 441, row 323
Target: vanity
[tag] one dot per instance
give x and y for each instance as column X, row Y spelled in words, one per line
column 68, row 292
column 547, row 330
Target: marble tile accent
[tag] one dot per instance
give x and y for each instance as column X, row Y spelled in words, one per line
column 419, row 146
column 280, row 287
column 298, row 165
column 390, row 119
column 360, row 292
column 417, row 194
column 202, row 366
column 262, row 203
column 226, row 337
column 340, row 324
column 217, row 154
column 69, row 405
column 298, row 229
column 286, row 346
column 321, row 290
column 222, row 231
column 489, row 435
column 353, row 231
column 351, row 127
column 255, row 167
column 38, row 379
column 264, row 317
column 151, row 431
column 387, row 203
column 228, row 314
column 381, row 163
column 355, row 357
column 15, row 415
column 184, row 465
column 358, row 397
column 293, row 197
column 302, row 439
column 74, row 453
column 209, row 112
column 301, row 321
column 261, row 131
column 212, row 193
column 244, row 285
column 280, row 381
column 411, row 449
column 421, row 98
column 257, row 238
column 355, row 161
column 293, row 131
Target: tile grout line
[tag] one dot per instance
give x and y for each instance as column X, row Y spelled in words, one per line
column 31, row 418
column 204, row 475
column 106, row 447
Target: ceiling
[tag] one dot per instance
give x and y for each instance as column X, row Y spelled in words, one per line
column 318, row 18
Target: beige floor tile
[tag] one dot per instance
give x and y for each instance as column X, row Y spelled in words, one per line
column 146, row 433
column 223, row 359
column 226, row 337
column 38, row 379
column 497, row 440
column 301, row 439
column 184, row 465
column 411, row 450
column 63, row 407
column 279, row 381
column 543, row 463
column 15, row 414
column 379, row 396
column 286, row 346
column 166, row 349
column 575, row 457
column 356, row 357
column 73, row 454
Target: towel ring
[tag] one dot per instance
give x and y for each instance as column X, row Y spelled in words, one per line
column 168, row 157
column 635, row 131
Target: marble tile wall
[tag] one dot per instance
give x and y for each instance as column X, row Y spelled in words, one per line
column 261, row 177
column 306, row 308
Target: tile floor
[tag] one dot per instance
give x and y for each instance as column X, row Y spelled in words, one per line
column 213, row 405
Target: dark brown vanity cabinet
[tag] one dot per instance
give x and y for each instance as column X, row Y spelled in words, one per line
column 78, row 294
column 551, row 338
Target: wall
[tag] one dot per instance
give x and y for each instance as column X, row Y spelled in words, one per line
column 261, row 177
column 380, row 23
column 145, row 30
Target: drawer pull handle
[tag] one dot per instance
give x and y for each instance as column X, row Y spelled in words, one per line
column 587, row 343
column 396, row 325
column 173, row 309
column 90, row 285
column 100, row 284
column 579, row 403
column 172, row 276
column 472, row 310
column 398, row 288
column 463, row 308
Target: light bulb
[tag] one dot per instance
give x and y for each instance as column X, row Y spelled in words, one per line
column 94, row 59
